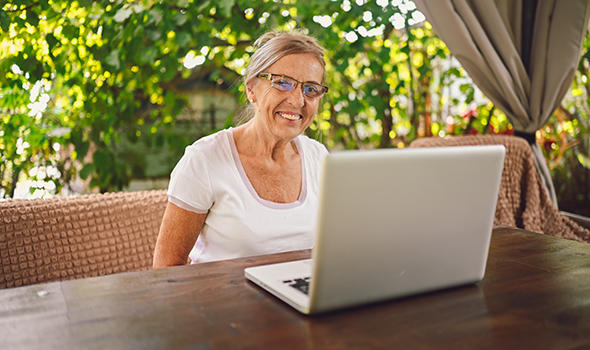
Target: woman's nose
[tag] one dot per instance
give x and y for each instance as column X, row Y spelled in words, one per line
column 296, row 97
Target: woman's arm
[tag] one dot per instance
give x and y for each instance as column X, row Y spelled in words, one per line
column 178, row 234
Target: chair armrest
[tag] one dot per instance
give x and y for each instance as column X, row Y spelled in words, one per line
column 583, row 221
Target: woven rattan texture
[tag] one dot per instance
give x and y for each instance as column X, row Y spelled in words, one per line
column 522, row 200
column 54, row 239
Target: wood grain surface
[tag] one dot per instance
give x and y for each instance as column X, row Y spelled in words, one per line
column 535, row 294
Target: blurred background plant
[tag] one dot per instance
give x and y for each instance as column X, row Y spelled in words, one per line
column 96, row 95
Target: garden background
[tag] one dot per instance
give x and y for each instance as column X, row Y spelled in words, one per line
column 99, row 96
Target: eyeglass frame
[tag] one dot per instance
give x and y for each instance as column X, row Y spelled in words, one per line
column 269, row 76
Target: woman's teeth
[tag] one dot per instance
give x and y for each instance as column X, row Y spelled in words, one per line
column 289, row 116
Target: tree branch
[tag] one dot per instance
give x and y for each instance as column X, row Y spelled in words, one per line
column 24, row 8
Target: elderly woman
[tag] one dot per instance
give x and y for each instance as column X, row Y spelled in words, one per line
column 252, row 189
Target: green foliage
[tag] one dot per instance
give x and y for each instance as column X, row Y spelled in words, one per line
column 109, row 69
column 101, row 73
column 566, row 141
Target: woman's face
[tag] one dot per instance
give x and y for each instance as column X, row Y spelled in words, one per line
column 286, row 114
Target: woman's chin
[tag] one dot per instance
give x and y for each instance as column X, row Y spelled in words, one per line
column 289, row 130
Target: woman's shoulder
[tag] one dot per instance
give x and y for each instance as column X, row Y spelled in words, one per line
column 208, row 151
column 211, row 143
column 311, row 145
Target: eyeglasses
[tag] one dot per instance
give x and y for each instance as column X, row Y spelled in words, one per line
column 285, row 83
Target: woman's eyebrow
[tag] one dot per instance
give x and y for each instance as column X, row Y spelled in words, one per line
column 290, row 77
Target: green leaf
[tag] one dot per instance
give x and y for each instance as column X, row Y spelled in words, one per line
column 113, row 59
column 454, row 71
column 32, row 18
column 226, row 6
column 102, row 159
column 51, row 41
column 149, row 55
column 82, row 149
column 183, row 38
column 44, row 4
column 180, row 19
column 71, row 32
column 76, row 136
column 4, row 21
column 170, row 64
column 465, row 88
column 87, row 170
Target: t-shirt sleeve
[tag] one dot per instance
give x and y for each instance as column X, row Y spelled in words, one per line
column 318, row 149
column 315, row 152
column 190, row 186
column 323, row 151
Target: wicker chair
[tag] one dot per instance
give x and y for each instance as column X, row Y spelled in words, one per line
column 45, row 240
column 523, row 200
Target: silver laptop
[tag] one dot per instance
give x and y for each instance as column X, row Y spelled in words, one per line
column 393, row 223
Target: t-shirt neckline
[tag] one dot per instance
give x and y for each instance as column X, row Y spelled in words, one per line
column 248, row 184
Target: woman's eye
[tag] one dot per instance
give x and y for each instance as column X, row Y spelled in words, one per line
column 310, row 89
column 284, row 83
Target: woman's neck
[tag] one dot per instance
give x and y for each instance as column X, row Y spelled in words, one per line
column 255, row 140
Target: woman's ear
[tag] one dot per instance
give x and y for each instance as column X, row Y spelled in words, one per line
column 250, row 93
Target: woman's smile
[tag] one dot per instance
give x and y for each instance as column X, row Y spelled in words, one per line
column 290, row 116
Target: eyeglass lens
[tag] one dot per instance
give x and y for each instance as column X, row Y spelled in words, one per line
column 287, row 84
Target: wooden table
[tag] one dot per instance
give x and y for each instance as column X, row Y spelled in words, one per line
column 536, row 294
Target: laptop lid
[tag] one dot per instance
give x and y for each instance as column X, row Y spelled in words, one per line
column 398, row 222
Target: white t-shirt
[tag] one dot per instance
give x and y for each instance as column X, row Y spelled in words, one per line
column 210, row 178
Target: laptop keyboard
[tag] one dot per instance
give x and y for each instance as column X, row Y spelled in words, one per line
column 301, row 284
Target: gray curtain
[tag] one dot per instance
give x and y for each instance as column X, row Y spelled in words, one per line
column 522, row 54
